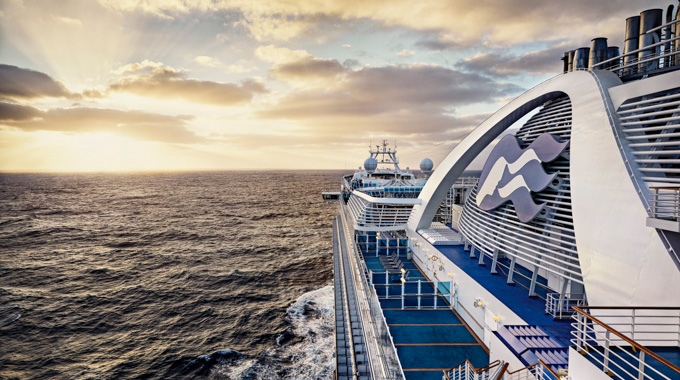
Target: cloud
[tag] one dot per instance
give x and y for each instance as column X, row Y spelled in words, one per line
column 133, row 124
column 279, row 55
column 154, row 79
column 16, row 82
column 208, row 61
column 495, row 23
column 538, row 62
column 405, row 53
column 399, row 100
column 346, row 46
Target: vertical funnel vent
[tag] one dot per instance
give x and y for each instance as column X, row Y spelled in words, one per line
column 598, row 51
column 581, row 58
column 649, row 19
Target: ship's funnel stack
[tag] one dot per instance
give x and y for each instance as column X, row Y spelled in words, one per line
column 598, row 51
column 565, row 62
column 649, row 20
column 631, row 39
column 612, row 52
column 581, row 58
column 571, row 60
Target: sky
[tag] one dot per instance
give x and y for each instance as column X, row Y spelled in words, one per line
column 125, row 85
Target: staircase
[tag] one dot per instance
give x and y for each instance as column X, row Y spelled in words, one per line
column 531, row 343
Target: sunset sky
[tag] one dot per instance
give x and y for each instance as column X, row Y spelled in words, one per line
column 115, row 85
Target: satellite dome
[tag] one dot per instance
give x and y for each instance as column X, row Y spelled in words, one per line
column 426, row 165
column 370, row 164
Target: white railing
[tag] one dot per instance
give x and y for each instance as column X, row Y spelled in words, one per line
column 665, row 203
column 382, row 354
column 379, row 213
column 560, row 305
column 613, row 339
column 399, row 290
column 466, row 371
column 498, row 370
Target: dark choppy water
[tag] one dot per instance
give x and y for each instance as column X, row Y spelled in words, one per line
column 180, row 275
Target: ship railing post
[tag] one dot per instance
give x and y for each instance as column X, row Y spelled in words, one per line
column 606, row 352
column 387, row 285
column 676, row 195
column 472, row 252
column 641, row 368
column 370, row 276
column 452, row 300
column 435, row 294
column 419, row 294
column 495, row 261
column 403, row 289
column 511, row 270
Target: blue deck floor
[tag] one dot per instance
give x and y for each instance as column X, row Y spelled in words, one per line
column 516, row 297
column 427, row 340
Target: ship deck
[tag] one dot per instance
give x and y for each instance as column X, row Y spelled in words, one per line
column 516, row 297
column 427, row 340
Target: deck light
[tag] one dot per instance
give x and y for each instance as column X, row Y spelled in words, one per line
column 403, row 279
column 403, row 270
column 496, row 318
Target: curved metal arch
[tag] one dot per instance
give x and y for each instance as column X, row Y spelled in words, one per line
column 434, row 191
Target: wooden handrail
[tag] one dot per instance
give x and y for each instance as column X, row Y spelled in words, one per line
column 625, row 338
column 502, row 372
column 664, row 188
column 548, row 368
column 523, row 368
column 630, row 307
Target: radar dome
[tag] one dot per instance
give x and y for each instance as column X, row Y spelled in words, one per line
column 426, row 165
column 370, row 164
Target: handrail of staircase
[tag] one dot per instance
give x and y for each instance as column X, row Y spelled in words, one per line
column 625, row 338
column 475, row 370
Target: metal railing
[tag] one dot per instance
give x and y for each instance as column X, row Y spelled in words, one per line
column 466, row 371
column 538, row 371
column 439, row 289
column 368, row 211
column 560, row 305
column 665, row 203
column 382, row 354
column 618, row 351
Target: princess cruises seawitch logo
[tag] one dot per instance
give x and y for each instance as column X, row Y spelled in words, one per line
column 511, row 174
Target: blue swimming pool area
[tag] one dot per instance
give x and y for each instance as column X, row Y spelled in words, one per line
column 427, row 340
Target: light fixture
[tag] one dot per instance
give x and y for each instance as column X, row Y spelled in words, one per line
column 496, row 318
column 479, row 303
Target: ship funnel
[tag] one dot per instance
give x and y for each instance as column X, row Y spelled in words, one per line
column 565, row 62
column 631, row 40
column 649, row 20
column 571, row 59
column 613, row 52
column 598, row 52
column 581, row 58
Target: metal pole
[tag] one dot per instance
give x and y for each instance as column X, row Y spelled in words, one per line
column 641, row 368
column 435, row 295
column 387, row 285
column 606, row 352
column 481, row 257
column 370, row 276
column 418, row 294
column 472, row 252
column 511, row 270
column 494, row 262
column 403, row 289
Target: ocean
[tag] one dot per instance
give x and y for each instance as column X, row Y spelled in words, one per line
column 217, row 275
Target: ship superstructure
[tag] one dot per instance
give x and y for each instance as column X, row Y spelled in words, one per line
column 559, row 260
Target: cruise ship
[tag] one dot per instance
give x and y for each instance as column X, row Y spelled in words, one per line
column 559, row 260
